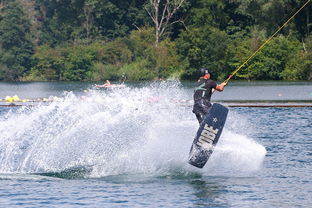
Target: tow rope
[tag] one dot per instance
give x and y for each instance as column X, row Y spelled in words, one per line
column 266, row 42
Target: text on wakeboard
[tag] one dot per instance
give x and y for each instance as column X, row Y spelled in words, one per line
column 207, row 137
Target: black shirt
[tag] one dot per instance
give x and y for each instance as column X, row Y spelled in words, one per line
column 204, row 90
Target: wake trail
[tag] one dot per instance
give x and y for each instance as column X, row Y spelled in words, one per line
column 142, row 130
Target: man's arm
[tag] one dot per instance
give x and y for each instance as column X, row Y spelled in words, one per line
column 220, row 87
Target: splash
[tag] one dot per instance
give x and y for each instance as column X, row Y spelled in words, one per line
column 144, row 130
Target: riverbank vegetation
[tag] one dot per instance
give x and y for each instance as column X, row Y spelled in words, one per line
column 93, row 40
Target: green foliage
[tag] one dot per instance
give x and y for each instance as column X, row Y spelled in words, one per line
column 299, row 65
column 141, row 42
column 109, row 60
column 166, row 59
column 237, row 53
column 49, row 64
column 115, row 52
column 73, row 63
column 82, row 20
column 102, row 39
column 138, row 70
column 78, row 64
column 269, row 63
column 162, row 59
column 15, row 42
column 105, row 72
column 203, row 47
column 225, row 15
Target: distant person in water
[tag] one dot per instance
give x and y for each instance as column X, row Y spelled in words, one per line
column 202, row 94
column 106, row 84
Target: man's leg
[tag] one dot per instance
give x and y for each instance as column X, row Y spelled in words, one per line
column 199, row 112
column 202, row 113
column 199, row 118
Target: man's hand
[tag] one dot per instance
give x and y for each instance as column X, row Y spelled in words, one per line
column 224, row 84
column 221, row 86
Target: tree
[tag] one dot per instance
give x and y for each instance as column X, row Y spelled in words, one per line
column 203, row 47
column 15, row 42
column 299, row 66
column 225, row 15
column 270, row 62
column 60, row 21
column 113, row 19
column 88, row 24
column 162, row 13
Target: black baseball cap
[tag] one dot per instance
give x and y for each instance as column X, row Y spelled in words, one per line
column 204, row 71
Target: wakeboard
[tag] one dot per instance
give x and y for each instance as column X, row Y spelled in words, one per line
column 208, row 135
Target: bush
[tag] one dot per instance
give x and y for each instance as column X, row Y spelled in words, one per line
column 104, row 72
column 65, row 64
column 138, row 70
column 166, row 59
column 141, row 42
column 299, row 67
column 202, row 47
column 115, row 52
column 271, row 61
column 79, row 63
column 48, row 64
column 267, row 64
column 15, row 41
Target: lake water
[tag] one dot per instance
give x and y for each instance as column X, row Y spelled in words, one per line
column 128, row 147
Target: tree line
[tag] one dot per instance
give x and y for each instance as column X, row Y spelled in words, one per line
column 93, row 40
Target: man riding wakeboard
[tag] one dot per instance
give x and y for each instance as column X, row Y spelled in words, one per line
column 203, row 92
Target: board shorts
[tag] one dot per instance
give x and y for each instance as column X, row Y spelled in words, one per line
column 201, row 108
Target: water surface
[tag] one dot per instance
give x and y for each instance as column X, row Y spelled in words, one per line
column 129, row 147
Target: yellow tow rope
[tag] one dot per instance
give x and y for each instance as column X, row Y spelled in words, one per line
column 266, row 42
